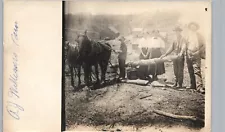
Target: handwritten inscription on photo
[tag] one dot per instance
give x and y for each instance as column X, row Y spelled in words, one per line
column 13, row 108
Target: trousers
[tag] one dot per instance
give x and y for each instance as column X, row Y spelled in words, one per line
column 194, row 69
column 178, row 66
column 122, row 68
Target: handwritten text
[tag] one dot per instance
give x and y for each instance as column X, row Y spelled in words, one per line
column 12, row 107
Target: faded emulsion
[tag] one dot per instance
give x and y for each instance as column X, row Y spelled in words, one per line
column 12, row 107
column 140, row 67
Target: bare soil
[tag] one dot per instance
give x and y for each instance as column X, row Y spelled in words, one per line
column 122, row 105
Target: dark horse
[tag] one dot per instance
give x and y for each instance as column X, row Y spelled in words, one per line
column 72, row 56
column 93, row 54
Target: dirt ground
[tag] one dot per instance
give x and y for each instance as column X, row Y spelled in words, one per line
column 125, row 107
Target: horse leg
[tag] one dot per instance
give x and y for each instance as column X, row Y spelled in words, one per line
column 78, row 75
column 90, row 76
column 96, row 73
column 87, row 74
column 75, row 75
column 103, row 66
column 71, row 74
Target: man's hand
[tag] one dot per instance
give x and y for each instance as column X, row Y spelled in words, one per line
column 162, row 56
column 191, row 55
column 132, row 63
column 180, row 54
column 196, row 54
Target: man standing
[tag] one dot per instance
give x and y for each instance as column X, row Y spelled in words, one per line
column 122, row 58
column 85, row 33
column 179, row 48
column 195, row 48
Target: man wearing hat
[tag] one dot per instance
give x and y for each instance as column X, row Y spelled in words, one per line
column 122, row 57
column 179, row 48
column 195, row 47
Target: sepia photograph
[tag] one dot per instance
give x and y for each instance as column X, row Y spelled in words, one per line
column 136, row 66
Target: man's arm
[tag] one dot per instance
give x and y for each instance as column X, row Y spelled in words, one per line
column 202, row 42
column 183, row 47
column 171, row 48
column 200, row 50
column 125, row 48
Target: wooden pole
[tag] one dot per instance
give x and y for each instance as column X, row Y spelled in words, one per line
column 193, row 118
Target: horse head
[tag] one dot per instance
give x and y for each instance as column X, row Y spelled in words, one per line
column 84, row 44
column 72, row 53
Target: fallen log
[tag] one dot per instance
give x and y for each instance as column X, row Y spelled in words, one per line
column 192, row 118
column 158, row 84
column 137, row 81
column 148, row 61
column 153, row 61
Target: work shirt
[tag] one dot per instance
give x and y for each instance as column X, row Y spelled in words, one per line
column 123, row 53
column 192, row 42
column 195, row 43
column 178, row 45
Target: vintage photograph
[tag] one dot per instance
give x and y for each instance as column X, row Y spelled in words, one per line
column 131, row 66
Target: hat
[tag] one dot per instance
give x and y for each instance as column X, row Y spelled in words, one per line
column 121, row 38
column 193, row 24
column 107, row 38
column 177, row 29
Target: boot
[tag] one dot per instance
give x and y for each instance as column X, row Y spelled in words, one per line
column 175, row 84
column 201, row 90
column 180, row 85
column 155, row 77
column 191, row 87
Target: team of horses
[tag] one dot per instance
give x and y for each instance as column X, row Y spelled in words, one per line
column 86, row 53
